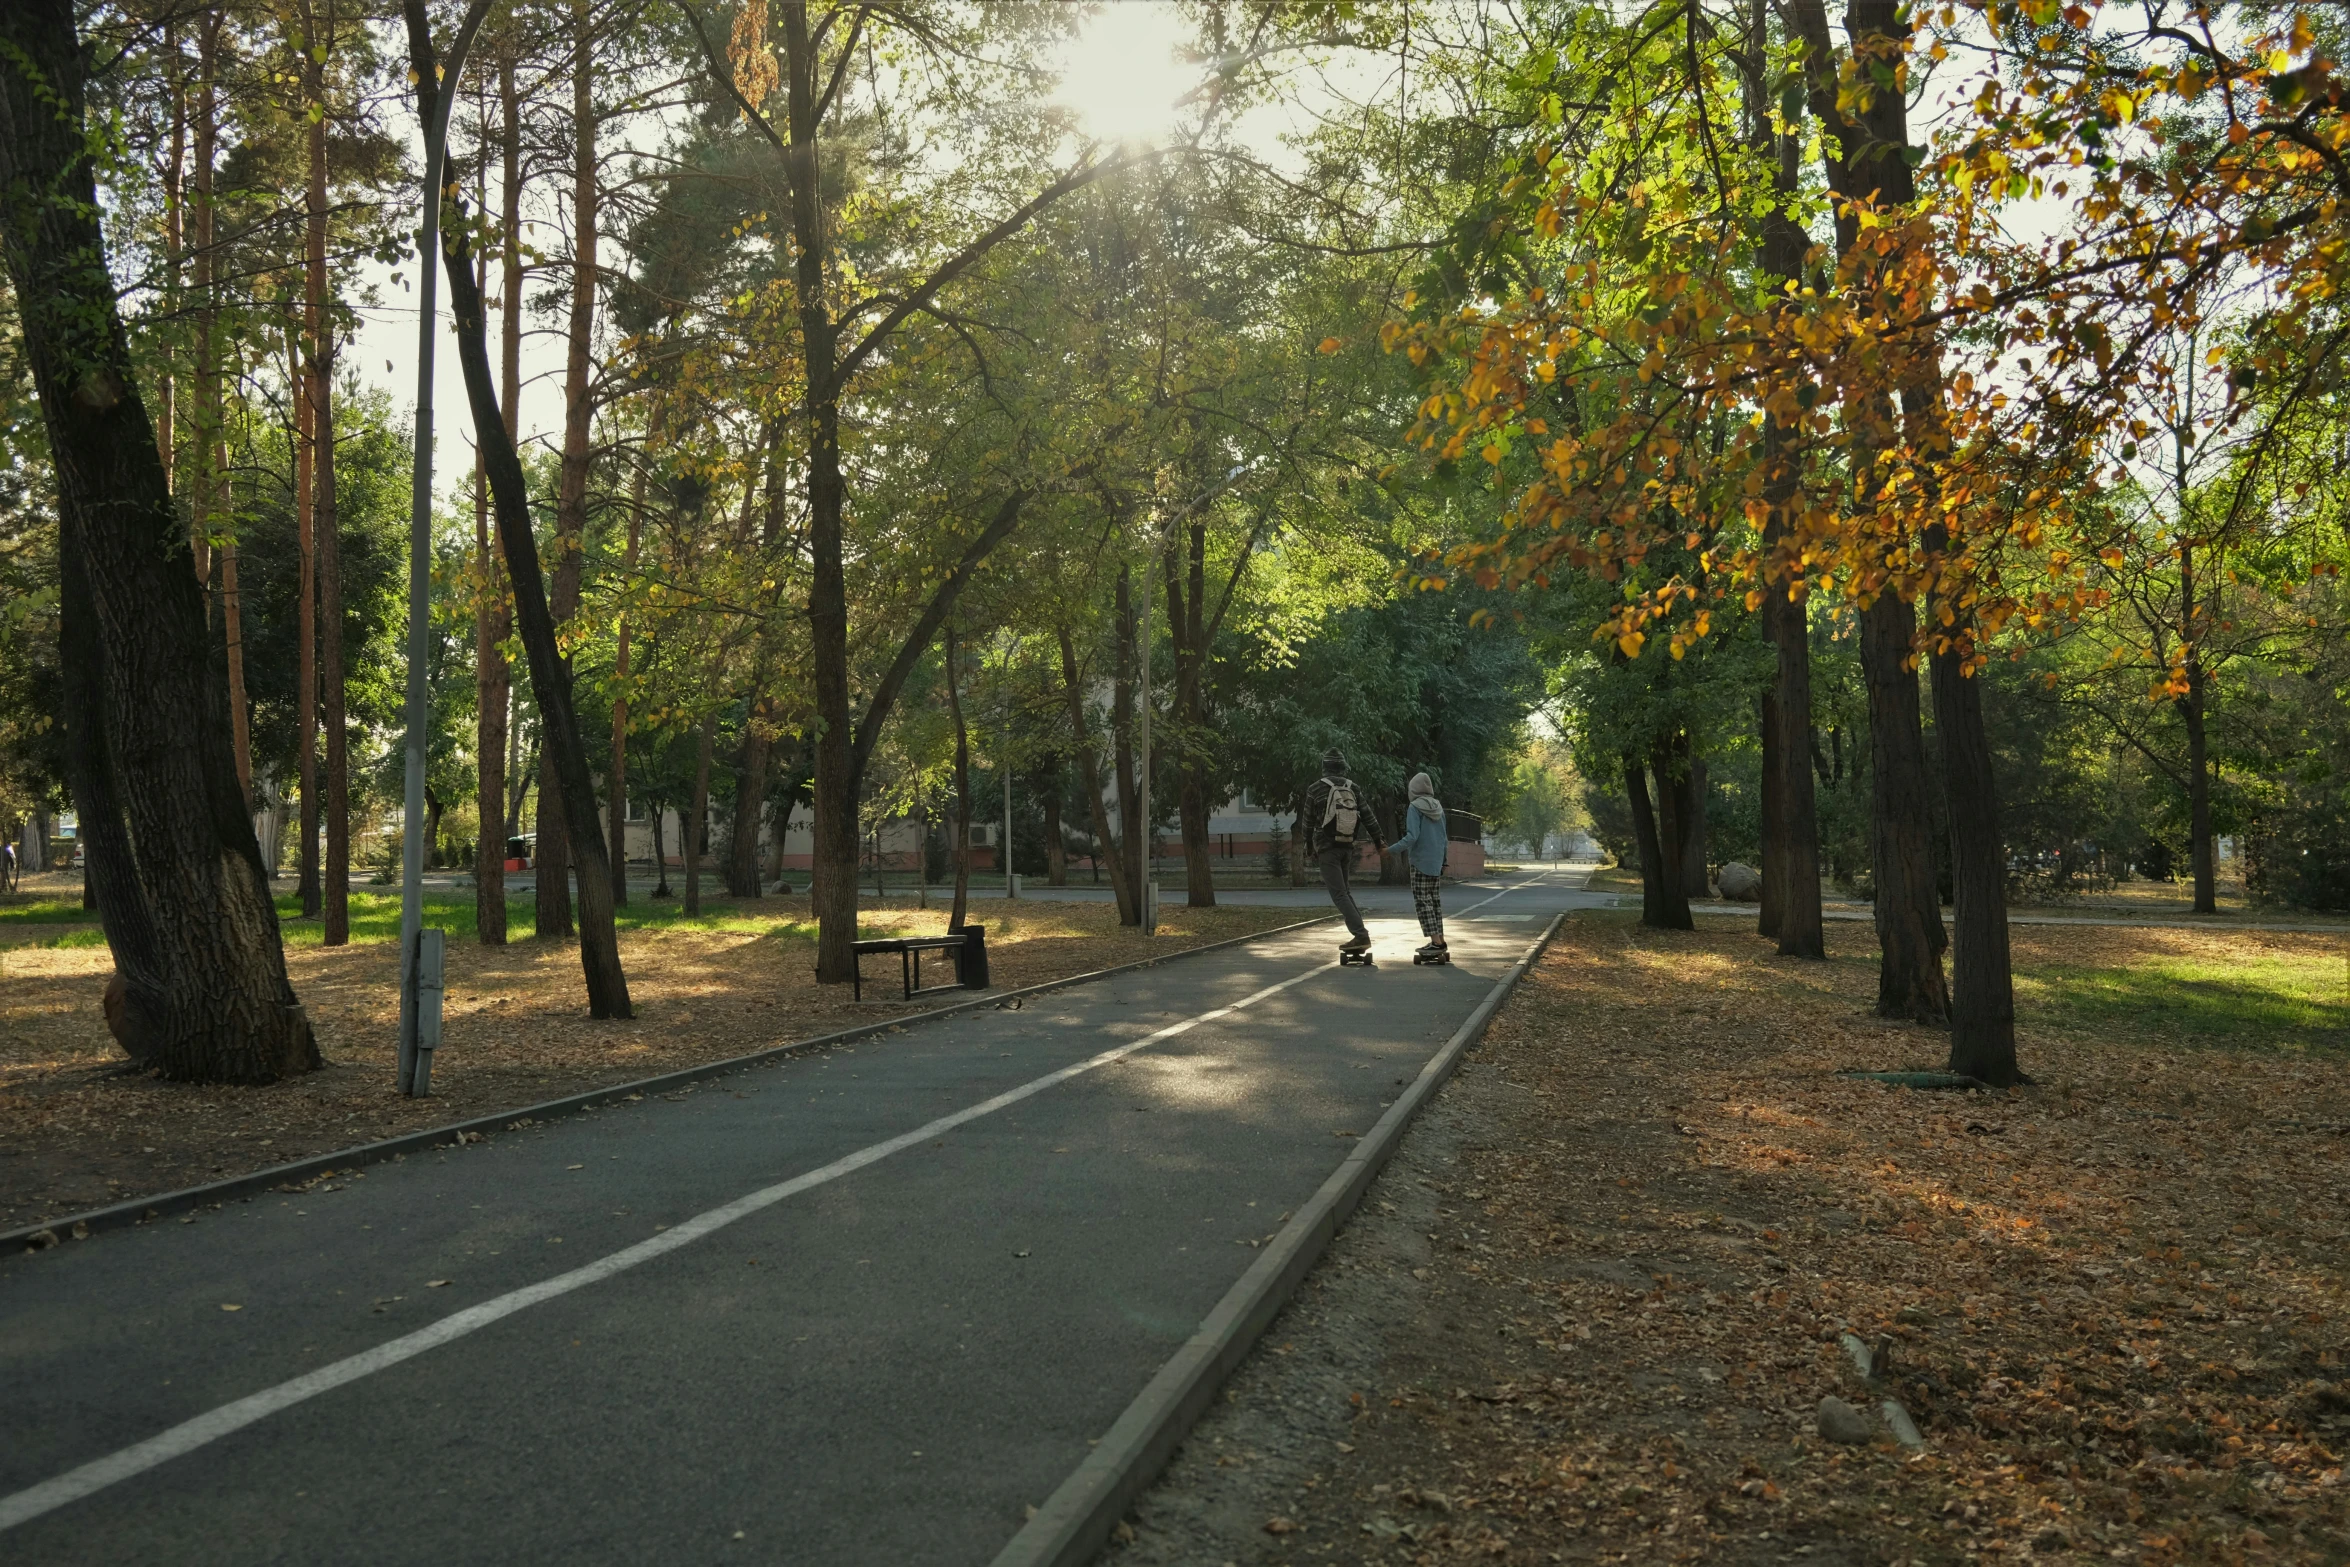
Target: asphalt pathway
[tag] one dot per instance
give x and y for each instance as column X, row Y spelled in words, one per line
column 858, row 1307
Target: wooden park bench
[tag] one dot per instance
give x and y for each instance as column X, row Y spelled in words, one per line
column 968, row 946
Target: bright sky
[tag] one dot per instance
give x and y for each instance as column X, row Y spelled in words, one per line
column 1124, row 72
column 1123, row 75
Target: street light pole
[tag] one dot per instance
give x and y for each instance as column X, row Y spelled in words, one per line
column 420, row 981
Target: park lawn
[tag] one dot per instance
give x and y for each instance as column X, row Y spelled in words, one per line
column 375, row 915
column 77, row 1131
column 1649, row 1206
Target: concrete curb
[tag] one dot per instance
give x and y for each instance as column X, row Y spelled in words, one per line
column 140, row 1209
column 1075, row 1523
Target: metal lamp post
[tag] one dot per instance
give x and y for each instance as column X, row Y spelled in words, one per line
column 421, row 951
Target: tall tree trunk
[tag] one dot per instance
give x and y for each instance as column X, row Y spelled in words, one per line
column 955, row 919
column 1982, row 989
column 1133, row 832
column 171, row 854
column 1982, row 993
column 504, row 804
column 174, row 246
column 1659, row 885
column 232, row 622
column 489, row 684
column 493, row 621
column 1791, row 834
column 655, row 810
column 1908, row 911
column 550, row 672
column 1800, row 930
column 1867, row 160
column 1089, row 779
column 835, row 836
column 1187, row 630
column 1689, row 812
column 1056, row 842
column 697, row 831
column 325, row 525
column 211, row 509
column 203, row 495
column 305, row 630
column 750, row 805
column 558, row 852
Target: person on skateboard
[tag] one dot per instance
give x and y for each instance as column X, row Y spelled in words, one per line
column 1423, row 843
column 1337, row 817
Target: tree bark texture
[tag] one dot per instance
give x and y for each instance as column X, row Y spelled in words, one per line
column 174, row 248
column 1187, row 592
column 750, row 805
column 1689, row 813
column 834, row 894
column 1982, row 992
column 1056, row 842
column 1801, row 933
column 202, row 494
column 325, row 519
column 558, row 824
column 1908, row 913
column 1659, row 883
column 550, row 672
column 494, row 620
column 171, row 855
column 489, row 685
column 1868, row 161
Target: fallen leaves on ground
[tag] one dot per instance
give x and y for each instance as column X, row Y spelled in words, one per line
column 79, row 1129
column 2114, row 1302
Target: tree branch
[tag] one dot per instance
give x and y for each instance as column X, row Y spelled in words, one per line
column 917, row 640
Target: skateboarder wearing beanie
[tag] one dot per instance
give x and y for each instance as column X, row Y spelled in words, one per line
column 1337, row 817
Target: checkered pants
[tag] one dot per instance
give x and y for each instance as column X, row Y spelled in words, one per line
column 1428, row 903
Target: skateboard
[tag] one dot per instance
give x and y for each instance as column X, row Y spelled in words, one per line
column 1426, row 956
column 1363, row 957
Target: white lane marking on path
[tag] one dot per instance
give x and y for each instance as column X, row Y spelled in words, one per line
column 1505, row 892
column 74, row 1484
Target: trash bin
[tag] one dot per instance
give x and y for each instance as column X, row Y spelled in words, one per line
column 971, row 960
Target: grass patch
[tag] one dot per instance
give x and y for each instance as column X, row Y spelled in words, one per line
column 375, row 916
column 2278, row 999
column 53, row 911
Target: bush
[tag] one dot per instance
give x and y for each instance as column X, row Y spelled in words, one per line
column 2302, row 857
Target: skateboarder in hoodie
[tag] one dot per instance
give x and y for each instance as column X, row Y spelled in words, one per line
column 1423, row 843
column 1337, row 817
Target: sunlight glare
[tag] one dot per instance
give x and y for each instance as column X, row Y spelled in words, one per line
column 1123, row 72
